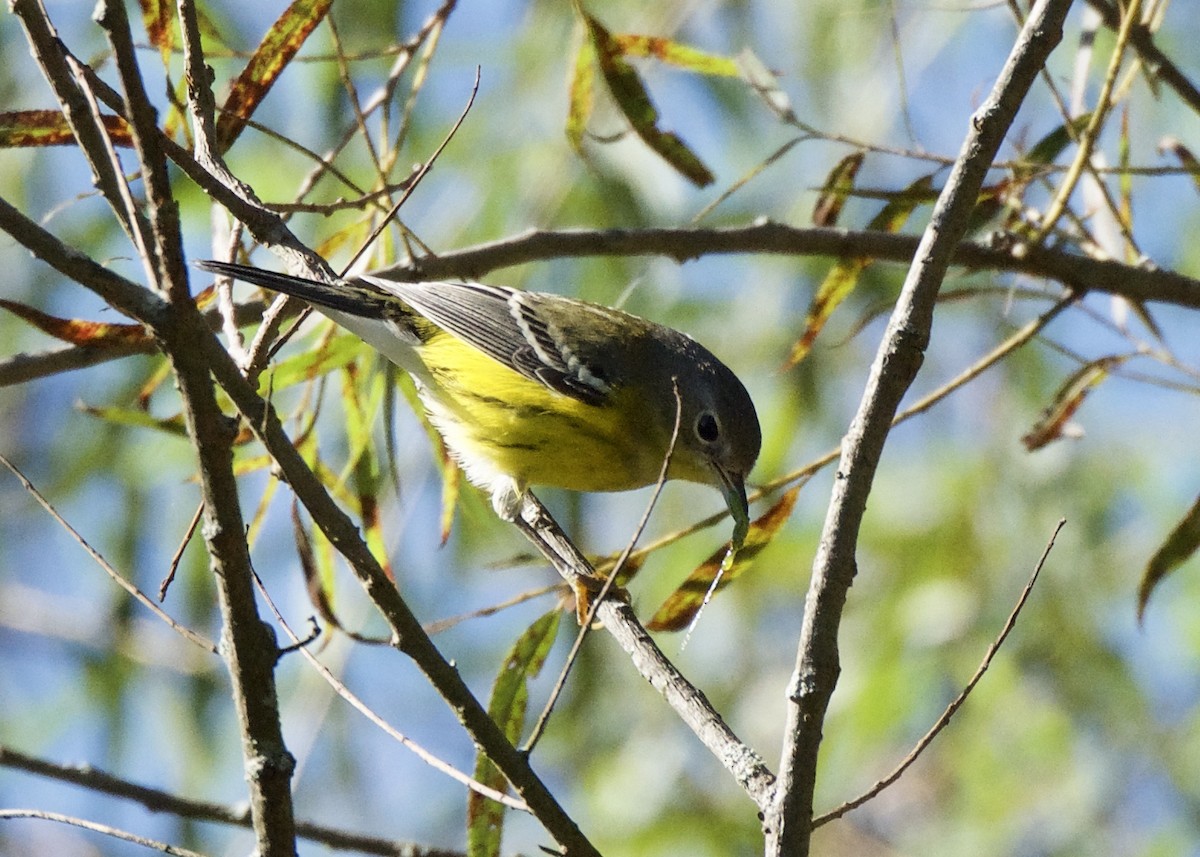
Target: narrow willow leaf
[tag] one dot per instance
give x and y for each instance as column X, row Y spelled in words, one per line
column 94, row 334
column 843, row 278
column 837, row 187
column 1181, row 545
column 335, row 354
column 581, row 94
column 1054, row 421
column 510, row 698
column 677, row 54
column 173, row 425
column 28, row 128
column 631, row 97
column 271, row 57
column 677, row 612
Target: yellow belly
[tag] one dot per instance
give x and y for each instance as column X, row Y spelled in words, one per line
column 500, row 424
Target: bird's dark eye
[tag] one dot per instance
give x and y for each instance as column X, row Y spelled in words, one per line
column 707, row 427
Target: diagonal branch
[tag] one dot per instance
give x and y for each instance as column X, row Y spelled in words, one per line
column 788, row 822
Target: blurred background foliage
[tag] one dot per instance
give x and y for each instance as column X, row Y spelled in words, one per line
column 1084, row 737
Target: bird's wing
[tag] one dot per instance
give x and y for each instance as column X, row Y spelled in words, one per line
column 511, row 327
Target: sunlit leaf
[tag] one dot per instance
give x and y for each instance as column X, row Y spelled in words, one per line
column 631, row 97
column 1181, row 545
column 837, row 185
column 677, row 54
column 173, row 425
column 677, row 612
column 363, row 464
column 95, row 334
column 335, row 354
column 271, row 57
column 159, row 19
column 581, row 94
column 509, row 700
column 842, row 279
column 49, row 128
column 1053, row 422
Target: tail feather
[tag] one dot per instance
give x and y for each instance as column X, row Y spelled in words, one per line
column 353, row 300
column 381, row 320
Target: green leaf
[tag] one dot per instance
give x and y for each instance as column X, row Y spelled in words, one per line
column 581, row 94
column 837, row 187
column 510, row 698
column 633, row 100
column 27, row 128
column 1180, row 546
column 173, row 425
column 677, row 54
column 338, row 352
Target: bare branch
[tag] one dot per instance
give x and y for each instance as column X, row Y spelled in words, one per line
column 788, row 822
column 747, row 767
column 1005, row 253
column 96, row 827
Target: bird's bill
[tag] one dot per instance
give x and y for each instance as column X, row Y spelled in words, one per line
column 733, row 487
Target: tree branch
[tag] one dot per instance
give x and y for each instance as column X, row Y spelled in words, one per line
column 788, row 823
column 158, row 800
column 1005, row 253
column 618, row 618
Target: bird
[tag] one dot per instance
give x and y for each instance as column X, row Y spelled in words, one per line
column 536, row 389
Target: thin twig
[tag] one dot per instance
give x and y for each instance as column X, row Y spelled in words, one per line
column 96, row 827
column 416, row 180
column 146, row 601
column 178, row 556
column 954, row 706
column 345, row 693
column 156, row 800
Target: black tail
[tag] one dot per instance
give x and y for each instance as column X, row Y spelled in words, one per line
column 347, row 298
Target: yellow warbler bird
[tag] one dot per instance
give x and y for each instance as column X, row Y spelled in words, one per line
column 529, row 388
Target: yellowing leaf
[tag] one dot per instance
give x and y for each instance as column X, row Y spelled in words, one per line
column 677, row 612
column 842, row 279
column 581, row 94
column 158, row 17
column 1180, row 546
column 95, row 334
column 1053, row 421
column 49, row 128
column 677, row 54
column 837, row 186
column 270, row 58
